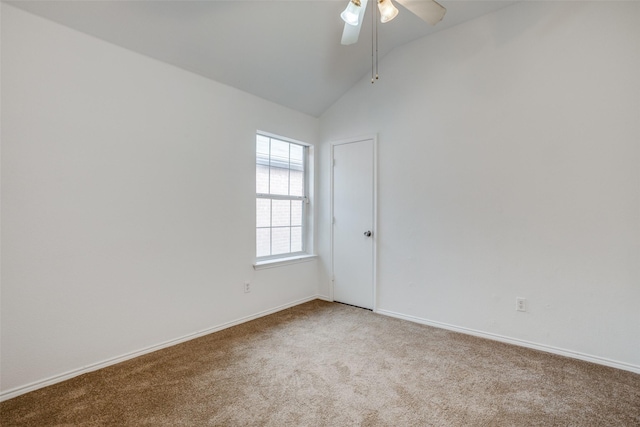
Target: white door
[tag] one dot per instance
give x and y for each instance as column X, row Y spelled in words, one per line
column 353, row 223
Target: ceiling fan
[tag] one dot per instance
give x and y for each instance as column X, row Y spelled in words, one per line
column 428, row 10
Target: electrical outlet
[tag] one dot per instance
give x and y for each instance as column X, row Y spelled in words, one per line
column 247, row 287
column 521, row 304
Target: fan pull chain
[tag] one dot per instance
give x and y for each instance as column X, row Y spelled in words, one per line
column 374, row 28
column 373, row 19
column 377, row 43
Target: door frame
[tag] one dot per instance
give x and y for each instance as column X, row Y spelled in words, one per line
column 374, row 138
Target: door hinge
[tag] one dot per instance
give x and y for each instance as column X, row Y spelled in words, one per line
column 334, row 162
column 333, row 221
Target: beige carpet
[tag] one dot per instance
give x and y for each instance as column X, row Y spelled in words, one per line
column 324, row 364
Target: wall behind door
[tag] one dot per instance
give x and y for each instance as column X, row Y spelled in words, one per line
column 508, row 167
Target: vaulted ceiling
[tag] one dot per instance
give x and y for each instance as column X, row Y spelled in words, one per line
column 288, row 52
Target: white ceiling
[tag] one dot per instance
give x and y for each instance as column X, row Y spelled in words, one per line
column 288, row 52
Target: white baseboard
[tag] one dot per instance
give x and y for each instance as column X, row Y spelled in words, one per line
column 9, row 394
column 105, row 363
column 515, row 341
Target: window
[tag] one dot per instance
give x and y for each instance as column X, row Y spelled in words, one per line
column 281, row 197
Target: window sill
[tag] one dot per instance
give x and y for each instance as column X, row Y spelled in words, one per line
column 272, row 263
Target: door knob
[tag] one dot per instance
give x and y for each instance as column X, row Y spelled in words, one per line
column 367, row 233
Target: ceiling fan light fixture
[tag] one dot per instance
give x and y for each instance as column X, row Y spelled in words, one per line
column 351, row 14
column 387, row 10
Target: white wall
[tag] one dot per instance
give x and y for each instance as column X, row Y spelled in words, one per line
column 127, row 202
column 509, row 166
column 509, row 150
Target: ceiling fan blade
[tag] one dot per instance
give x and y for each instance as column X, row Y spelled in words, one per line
column 351, row 32
column 428, row 10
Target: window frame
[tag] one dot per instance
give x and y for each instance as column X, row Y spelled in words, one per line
column 304, row 253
